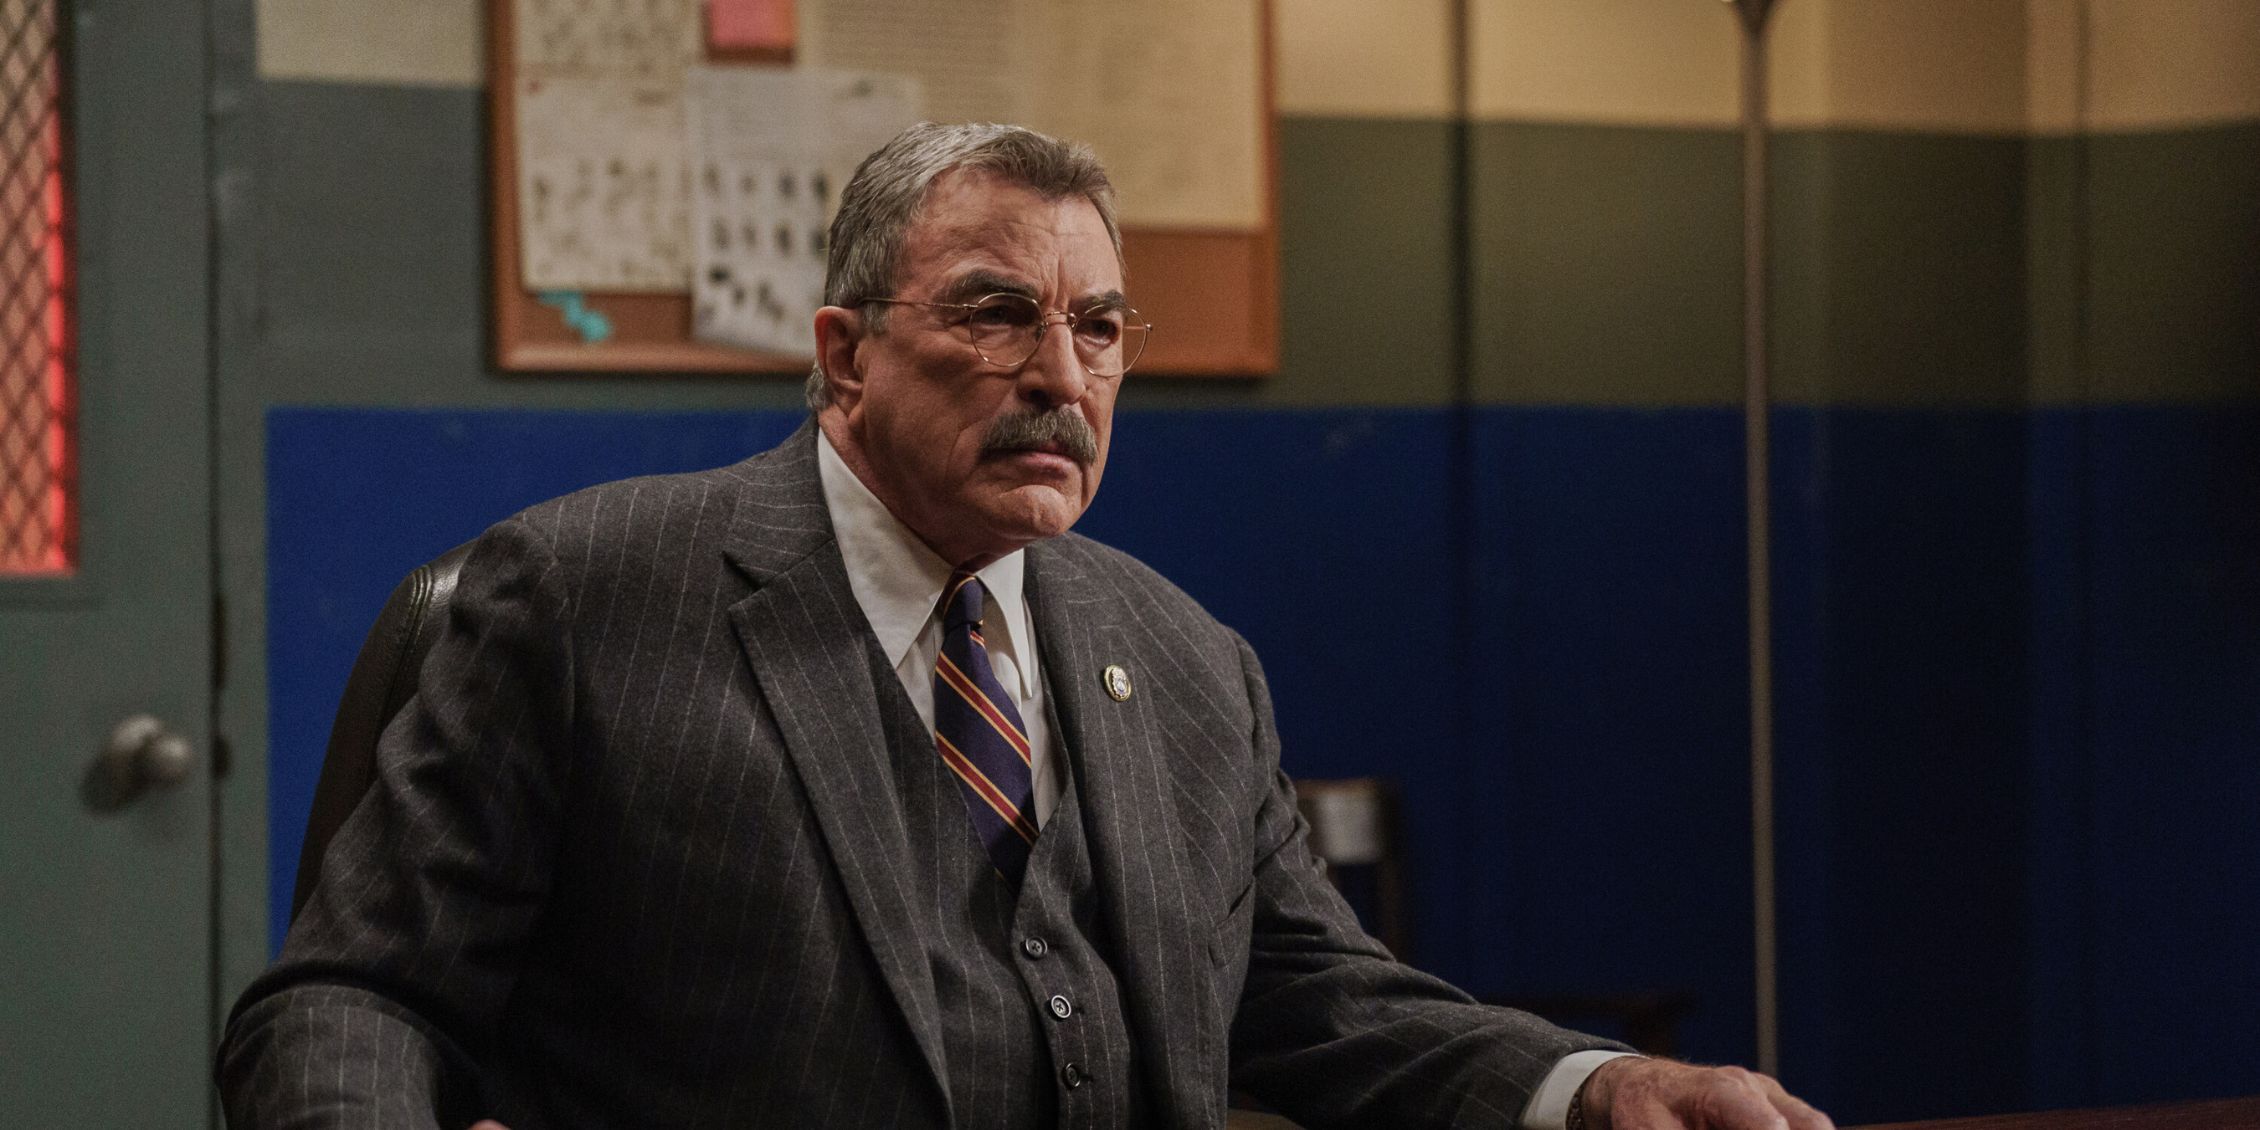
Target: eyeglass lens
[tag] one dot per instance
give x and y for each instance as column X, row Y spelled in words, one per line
column 1008, row 329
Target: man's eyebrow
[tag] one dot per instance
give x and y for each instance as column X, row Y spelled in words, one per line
column 1102, row 298
column 980, row 284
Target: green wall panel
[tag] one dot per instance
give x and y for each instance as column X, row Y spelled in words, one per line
column 1366, row 231
column 1899, row 269
column 1608, row 265
column 2173, row 299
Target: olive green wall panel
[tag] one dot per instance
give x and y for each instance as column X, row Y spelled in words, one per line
column 2173, row 266
column 1608, row 265
column 1899, row 269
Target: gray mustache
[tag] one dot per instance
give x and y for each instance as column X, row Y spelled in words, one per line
column 1071, row 432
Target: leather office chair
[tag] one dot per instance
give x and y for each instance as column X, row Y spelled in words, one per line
column 384, row 676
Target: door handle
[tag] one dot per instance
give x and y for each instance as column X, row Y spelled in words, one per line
column 141, row 756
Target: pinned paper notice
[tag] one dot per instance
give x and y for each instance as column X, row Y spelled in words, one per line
column 769, row 152
column 619, row 38
column 602, row 203
column 600, row 185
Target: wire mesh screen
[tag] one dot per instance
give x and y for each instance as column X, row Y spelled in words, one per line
column 37, row 487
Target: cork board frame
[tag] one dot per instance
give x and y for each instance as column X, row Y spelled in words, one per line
column 1213, row 296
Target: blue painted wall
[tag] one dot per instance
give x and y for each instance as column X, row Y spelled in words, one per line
column 2146, row 806
column 2019, row 696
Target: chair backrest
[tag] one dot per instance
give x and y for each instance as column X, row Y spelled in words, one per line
column 383, row 678
column 1354, row 829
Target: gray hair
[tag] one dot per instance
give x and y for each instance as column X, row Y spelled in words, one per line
column 881, row 201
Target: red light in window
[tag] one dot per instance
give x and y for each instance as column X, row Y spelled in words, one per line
column 38, row 463
column 61, row 548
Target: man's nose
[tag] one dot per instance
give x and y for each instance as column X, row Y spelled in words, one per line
column 1055, row 375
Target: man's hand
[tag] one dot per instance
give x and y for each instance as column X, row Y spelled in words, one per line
column 1662, row 1094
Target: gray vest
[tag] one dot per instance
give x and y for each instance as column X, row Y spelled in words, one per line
column 1033, row 1028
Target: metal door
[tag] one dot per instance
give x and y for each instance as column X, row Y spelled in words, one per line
column 106, row 874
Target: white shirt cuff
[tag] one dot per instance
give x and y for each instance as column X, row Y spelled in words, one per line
column 1549, row 1104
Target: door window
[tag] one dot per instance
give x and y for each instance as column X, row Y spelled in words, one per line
column 38, row 495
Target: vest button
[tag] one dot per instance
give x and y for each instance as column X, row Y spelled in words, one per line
column 1061, row 1008
column 1073, row 1075
column 1034, row 948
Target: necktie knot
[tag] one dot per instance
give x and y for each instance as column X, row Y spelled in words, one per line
column 963, row 602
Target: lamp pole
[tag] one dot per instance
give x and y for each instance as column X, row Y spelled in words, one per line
column 1757, row 403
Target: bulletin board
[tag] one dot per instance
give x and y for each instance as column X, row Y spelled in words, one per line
column 1209, row 286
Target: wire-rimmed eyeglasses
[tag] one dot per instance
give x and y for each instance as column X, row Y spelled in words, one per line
column 1006, row 330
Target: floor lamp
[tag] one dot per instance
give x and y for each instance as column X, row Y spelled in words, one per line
column 1757, row 402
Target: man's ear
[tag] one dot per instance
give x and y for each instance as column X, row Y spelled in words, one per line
column 839, row 332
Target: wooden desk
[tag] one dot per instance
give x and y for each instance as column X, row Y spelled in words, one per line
column 2217, row 1114
column 1250, row 1120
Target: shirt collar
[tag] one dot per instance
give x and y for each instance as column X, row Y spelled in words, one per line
column 898, row 580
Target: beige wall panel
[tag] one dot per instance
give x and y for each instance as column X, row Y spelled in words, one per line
column 2054, row 34
column 1943, row 66
column 2164, row 63
column 1953, row 65
column 1360, row 59
column 1797, row 57
column 1630, row 62
column 405, row 42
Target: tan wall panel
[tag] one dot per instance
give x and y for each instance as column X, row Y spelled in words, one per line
column 1797, row 49
column 2055, row 31
column 2164, row 63
column 1936, row 65
column 1359, row 59
column 1943, row 66
column 1630, row 62
column 406, row 42
column 2138, row 65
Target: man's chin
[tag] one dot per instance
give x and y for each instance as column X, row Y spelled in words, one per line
column 1037, row 511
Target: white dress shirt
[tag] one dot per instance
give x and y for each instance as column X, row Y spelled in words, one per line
column 898, row 582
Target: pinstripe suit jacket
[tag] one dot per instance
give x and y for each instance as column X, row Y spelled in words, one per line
column 634, row 857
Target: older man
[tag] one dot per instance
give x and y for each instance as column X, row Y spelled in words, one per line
column 844, row 786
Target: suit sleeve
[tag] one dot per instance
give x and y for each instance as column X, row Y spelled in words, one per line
column 1333, row 1031
column 394, row 976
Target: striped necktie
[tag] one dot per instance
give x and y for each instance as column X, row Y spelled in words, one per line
column 979, row 733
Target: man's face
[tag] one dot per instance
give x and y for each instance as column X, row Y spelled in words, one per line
column 915, row 411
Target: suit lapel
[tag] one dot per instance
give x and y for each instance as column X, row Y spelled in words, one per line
column 1083, row 624
column 809, row 647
